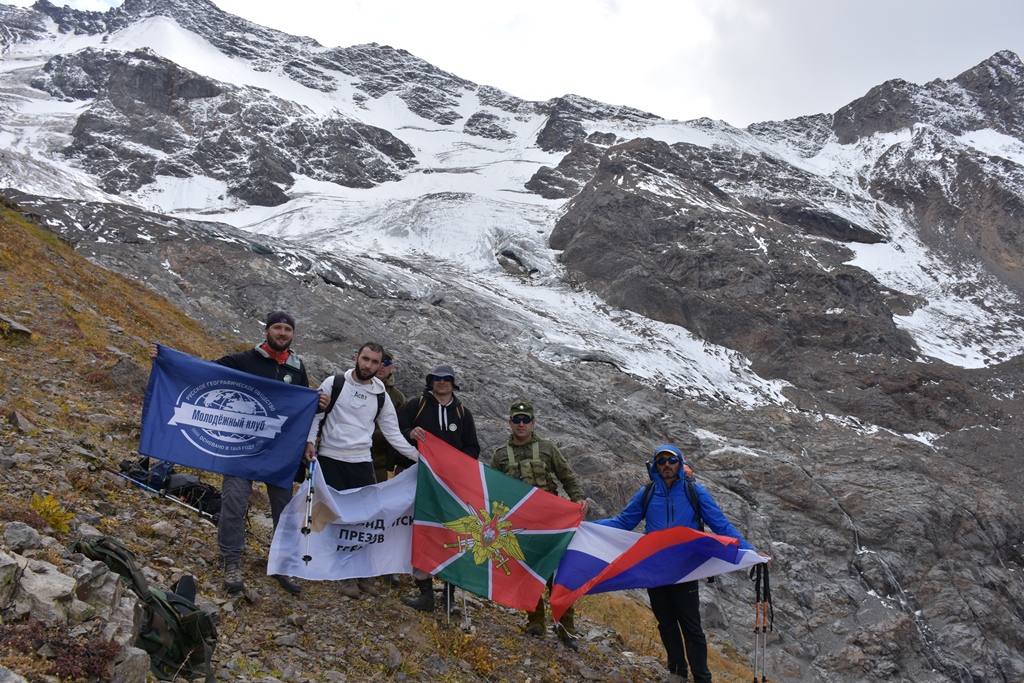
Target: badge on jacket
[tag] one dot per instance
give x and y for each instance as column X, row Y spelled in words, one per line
column 452, row 427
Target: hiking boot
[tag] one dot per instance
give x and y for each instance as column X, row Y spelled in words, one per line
column 366, row 586
column 393, row 580
column 424, row 602
column 568, row 639
column 233, row 578
column 535, row 631
column 288, row 583
column 350, row 589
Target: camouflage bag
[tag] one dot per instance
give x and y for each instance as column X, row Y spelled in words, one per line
column 178, row 636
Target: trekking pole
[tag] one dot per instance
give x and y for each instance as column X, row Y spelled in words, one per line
column 755, row 576
column 766, row 622
column 204, row 515
column 308, row 529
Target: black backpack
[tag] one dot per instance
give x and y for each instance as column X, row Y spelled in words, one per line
column 691, row 495
column 178, row 636
column 189, row 489
column 153, row 474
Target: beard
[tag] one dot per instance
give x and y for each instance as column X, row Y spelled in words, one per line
column 277, row 346
column 358, row 372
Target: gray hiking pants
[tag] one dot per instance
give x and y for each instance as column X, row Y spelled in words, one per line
column 234, row 501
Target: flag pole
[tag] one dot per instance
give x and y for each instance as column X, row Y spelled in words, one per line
column 308, row 528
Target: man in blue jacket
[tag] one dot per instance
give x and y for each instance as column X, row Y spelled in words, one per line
column 674, row 499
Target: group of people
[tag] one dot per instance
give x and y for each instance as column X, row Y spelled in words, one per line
column 365, row 430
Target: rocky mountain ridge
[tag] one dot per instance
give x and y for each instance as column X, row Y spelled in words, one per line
column 823, row 312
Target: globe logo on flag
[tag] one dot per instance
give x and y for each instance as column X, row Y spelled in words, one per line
column 230, row 401
column 227, row 418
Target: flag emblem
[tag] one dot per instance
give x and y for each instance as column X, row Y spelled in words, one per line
column 488, row 536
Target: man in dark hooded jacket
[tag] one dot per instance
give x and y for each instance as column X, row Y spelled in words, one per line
column 439, row 412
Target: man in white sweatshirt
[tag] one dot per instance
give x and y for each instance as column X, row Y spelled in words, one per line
column 345, row 432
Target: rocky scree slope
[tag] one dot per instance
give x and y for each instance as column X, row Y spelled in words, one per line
column 877, row 539
column 70, row 409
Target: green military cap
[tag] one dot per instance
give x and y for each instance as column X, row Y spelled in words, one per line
column 520, row 408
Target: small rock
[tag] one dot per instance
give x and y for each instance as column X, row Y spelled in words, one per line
column 8, row 676
column 20, row 422
column 287, row 640
column 394, row 657
column 164, row 528
column 20, row 536
column 15, row 329
column 436, row 664
column 132, row 665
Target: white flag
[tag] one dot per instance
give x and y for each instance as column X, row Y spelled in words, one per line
column 355, row 533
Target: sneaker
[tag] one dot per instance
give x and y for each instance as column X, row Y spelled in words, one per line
column 366, row 586
column 233, row 578
column 350, row 589
column 288, row 583
column 535, row 631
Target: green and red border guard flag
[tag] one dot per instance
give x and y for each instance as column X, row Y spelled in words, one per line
column 484, row 531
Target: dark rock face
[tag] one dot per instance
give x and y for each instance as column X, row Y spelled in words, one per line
column 563, row 128
column 734, row 270
column 486, row 125
column 18, row 24
column 194, row 126
column 964, row 202
column 573, row 171
column 989, row 95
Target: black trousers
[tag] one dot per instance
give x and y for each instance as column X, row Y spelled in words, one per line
column 342, row 476
column 677, row 609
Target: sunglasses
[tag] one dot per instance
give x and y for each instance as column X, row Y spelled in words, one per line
column 444, row 378
column 522, row 419
column 669, row 461
column 386, row 362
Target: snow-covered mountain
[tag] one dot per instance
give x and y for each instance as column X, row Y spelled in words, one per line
column 802, row 304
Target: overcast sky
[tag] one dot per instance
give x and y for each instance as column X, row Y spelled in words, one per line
column 737, row 60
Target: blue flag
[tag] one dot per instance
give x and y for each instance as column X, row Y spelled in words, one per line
column 203, row 415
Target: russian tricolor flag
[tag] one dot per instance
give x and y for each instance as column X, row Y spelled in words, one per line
column 600, row 559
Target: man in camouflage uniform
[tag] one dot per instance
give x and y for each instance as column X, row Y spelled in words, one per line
column 538, row 462
column 384, row 454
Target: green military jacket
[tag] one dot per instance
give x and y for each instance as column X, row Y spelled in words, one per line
column 384, row 454
column 540, row 464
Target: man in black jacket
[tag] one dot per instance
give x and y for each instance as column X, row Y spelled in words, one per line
column 273, row 359
column 439, row 412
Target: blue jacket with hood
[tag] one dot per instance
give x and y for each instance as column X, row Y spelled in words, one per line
column 671, row 507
